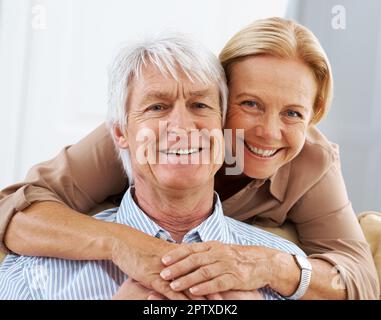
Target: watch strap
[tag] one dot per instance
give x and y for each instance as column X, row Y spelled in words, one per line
column 305, row 277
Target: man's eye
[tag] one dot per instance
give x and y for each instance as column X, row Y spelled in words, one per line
column 200, row 105
column 156, row 107
column 294, row 114
column 250, row 103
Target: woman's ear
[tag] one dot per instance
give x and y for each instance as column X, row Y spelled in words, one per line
column 120, row 138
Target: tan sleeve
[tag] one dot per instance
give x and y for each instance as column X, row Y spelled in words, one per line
column 81, row 176
column 327, row 227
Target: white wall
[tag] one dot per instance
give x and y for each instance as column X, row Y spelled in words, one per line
column 53, row 58
column 354, row 121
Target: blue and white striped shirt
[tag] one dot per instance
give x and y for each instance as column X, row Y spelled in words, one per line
column 41, row 278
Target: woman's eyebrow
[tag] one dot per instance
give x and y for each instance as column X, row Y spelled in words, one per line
column 246, row 94
column 253, row 96
column 295, row 105
column 249, row 95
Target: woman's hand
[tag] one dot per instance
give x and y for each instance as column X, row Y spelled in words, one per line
column 212, row 267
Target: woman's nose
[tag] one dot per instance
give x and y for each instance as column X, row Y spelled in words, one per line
column 269, row 128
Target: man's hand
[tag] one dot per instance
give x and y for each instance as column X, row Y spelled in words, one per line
column 142, row 262
column 132, row 290
column 236, row 295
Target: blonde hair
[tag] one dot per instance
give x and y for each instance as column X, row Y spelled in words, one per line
column 284, row 39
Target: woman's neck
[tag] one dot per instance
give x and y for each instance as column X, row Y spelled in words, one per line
column 176, row 211
column 228, row 185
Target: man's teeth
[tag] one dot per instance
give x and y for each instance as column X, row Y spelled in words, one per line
column 261, row 152
column 182, row 151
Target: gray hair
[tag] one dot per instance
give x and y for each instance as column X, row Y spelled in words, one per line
column 169, row 54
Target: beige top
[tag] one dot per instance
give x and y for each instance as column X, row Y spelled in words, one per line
column 309, row 192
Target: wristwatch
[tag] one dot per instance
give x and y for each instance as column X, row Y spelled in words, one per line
column 305, row 277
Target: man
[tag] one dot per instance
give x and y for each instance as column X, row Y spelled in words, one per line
column 166, row 97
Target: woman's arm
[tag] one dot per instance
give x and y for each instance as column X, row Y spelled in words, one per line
column 54, row 230
column 81, row 176
column 221, row 267
column 326, row 282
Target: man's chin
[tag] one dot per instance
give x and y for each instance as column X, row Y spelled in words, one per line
column 182, row 180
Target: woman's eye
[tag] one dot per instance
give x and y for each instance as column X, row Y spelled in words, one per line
column 294, row 114
column 250, row 103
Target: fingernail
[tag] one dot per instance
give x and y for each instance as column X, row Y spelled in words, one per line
column 165, row 274
column 193, row 290
column 175, row 284
column 166, row 259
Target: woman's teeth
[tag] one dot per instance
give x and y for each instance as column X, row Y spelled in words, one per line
column 261, row 152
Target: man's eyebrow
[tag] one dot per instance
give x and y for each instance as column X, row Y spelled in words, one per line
column 154, row 95
column 150, row 95
column 200, row 93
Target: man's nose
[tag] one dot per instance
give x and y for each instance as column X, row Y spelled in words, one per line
column 269, row 128
column 182, row 119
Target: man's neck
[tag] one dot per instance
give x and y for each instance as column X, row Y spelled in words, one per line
column 176, row 211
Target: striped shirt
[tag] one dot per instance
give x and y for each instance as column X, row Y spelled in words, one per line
column 42, row 278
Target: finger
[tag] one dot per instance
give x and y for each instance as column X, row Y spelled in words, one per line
column 189, row 264
column 156, row 296
column 214, row 296
column 161, row 286
column 203, row 274
column 192, row 296
column 222, row 283
column 182, row 251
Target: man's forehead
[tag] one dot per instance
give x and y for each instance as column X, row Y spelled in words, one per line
column 151, row 76
column 163, row 92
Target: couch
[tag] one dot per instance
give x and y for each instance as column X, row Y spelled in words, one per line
column 370, row 223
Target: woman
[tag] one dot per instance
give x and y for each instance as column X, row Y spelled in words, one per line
column 280, row 86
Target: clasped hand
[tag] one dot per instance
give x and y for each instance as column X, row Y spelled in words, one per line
column 208, row 270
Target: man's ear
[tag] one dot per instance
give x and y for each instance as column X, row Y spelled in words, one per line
column 120, row 138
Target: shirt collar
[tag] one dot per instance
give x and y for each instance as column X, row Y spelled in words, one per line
column 213, row 228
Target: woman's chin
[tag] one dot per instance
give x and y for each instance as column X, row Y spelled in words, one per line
column 257, row 174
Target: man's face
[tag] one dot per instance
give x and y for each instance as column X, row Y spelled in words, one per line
column 168, row 130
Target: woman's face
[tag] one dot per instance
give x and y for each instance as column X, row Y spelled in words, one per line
column 272, row 100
